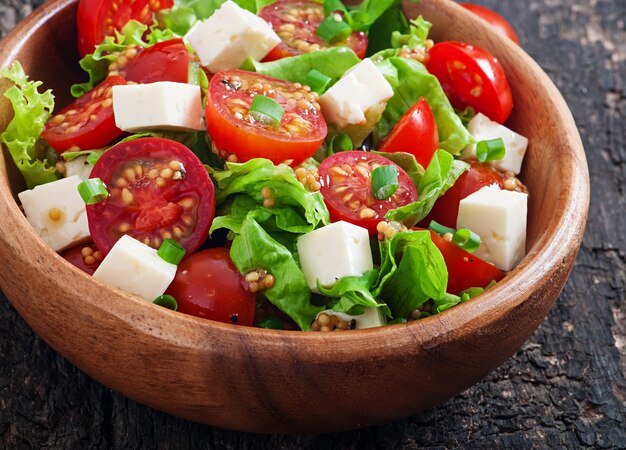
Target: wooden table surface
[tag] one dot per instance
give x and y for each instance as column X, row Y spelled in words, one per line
column 565, row 388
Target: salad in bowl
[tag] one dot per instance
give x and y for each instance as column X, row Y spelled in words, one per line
column 289, row 165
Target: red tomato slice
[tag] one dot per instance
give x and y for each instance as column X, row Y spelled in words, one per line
column 415, row 133
column 471, row 76
column 475, row 178
column 85, row 257
column 87, row 122
column 295, row 22
column 347, row 189
column 465, row 270
column 96, row 19
column 159, row 189
column 208, row 285
column 495, row 20
column 164, row 61
column 234, row 131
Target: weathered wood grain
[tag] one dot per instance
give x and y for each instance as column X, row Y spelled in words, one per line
column 565, row 388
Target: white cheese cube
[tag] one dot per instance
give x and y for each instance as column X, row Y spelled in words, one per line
column 57, row 212
column 499, row 218
column 485, row 129
column 338, row 250
column 229, row 36
column 134, row 267
column 371, row 318
column 79, row 167
column 361, row 88
column 165, row 105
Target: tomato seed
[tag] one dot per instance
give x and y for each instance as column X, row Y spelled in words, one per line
column 167, row 173
column 86, row 251
column 367, row 213
column 355, row 205
column 348, row 169
column 121, row 182
column 127, row 196
column 153, row 173
column 138, row 170
column 124, row 228
column 129, row 174
column 338, row 170
column 346, row 198
column 178, row 232
column 476, row 91
column 187, row 220
column 160, row 182
column 107, row 102
column 166, row 235
column 186, row 203
column 340, row 189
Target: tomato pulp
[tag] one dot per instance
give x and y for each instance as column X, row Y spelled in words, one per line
column 235, row 131
column 158, row 189
column 347, row 188
column 295, row 22
column 471, row 76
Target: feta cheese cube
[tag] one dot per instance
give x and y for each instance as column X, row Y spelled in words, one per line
column 371, row 318
column 499, row 218
column 229, row 36
column 165, row 104
column 361, row 88
column 135, row 268
column 57, row 212
column 485, row 129
column 79, row 167
column 338, row 250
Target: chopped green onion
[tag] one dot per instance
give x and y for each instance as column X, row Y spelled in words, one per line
column 94, row 156
column 440, row 229
column 171, row 251
column 317, row 81
column 93, row 191
column 330, row 6
column 466, row 239
column 267, row 110
column 492, row 150
column 272, row 322
column 384, row 182
column 339, row 143
column 166, row 301
column 358, row 20
column 333, row 29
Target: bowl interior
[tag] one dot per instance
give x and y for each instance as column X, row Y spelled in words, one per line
column 228, row 375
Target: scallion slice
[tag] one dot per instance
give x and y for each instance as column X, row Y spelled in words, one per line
column 93, row 191
column 166, row 301
column 171, row 251
column 339, row 143
column 384, row 182
column 333, row 29
column 491, row 150
column 330, row 6
column 317, row 81
column 440, row 229
column 466, row 239
column 266, row 110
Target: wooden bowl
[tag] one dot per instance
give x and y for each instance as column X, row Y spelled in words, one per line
column 279, row 381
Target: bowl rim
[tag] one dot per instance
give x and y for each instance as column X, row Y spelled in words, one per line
column 545, row 257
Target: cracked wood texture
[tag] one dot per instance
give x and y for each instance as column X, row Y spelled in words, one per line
column 565, row 388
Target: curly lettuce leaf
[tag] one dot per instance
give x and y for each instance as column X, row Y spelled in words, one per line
column 254, row 248
column 97, row 64
column 411, row 81
column 32, row 110
column 412, row 272
column 441, row 174
column 354, row 294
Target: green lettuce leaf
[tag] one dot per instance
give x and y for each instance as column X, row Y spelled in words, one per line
column 412, row 272
column 254, row 248
column 332, row 62
column 97, row 64
column 411, row 81
column 441, row 174
column 31, row 109
column 354, row 294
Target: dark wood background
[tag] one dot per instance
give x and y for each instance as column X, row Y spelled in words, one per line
column 565, row 388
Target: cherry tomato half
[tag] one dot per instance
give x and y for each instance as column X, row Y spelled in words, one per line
column 475, row 178
column 465, row 270
column 208, row 285
column 347, row 189
column 86, row 257
column 164, row 61
column 415, row 133
column 87, row 122
column 295, row 22
column 159, row 189
column 498, row 22
column 96, row 19
column 234, row 131
column 471, row 76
